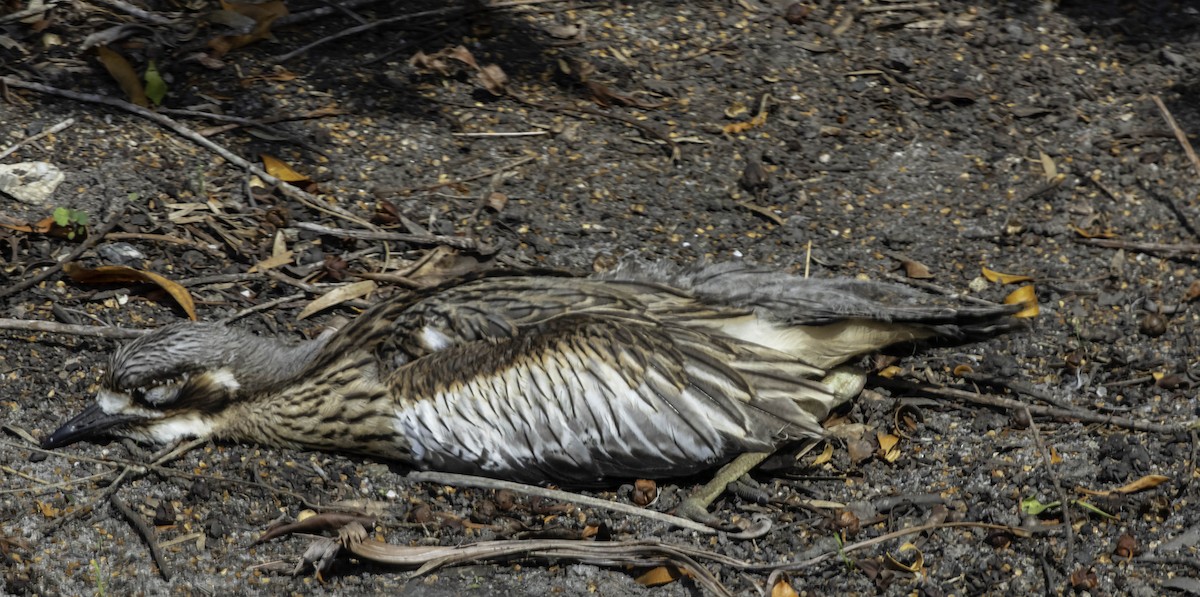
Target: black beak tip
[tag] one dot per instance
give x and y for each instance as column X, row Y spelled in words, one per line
column 93, row 422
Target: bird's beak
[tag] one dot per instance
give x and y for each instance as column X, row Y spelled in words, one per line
column 93, row 422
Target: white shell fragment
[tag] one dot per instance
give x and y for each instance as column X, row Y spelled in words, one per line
column 30, row 182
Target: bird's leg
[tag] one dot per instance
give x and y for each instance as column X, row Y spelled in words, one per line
column 845, row 383
column 696, row 505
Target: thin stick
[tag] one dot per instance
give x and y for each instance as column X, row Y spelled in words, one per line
column 457, row 242
column 147, row 533
column 263, row 307
column 1115, row 243
column 87, row 243
column 1062, row 495
column 554, row 494
column 50, row 131
column 53, row 327
column 1179, row 134
column 1062, row 414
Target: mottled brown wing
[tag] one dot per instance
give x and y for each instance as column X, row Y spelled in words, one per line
column 583, row 396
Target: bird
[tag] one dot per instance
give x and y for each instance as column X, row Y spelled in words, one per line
column 652, row 370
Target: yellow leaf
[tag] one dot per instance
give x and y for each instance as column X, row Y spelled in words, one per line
column 889, row 449
column 1025, row 296
column 272, row 262
column 48, row 510
column 825, row 456
column 994, row 276
column 117, row 274
column 890, row 371
column 659, row 576
column 277, row 168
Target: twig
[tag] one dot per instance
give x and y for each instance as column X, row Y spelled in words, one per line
column 1062, row 495
column 484, row 174
column 147, row 533
column 1062, row 414
column 263, row 307
column 438, row 12
column 458, row 242
column 1179, row 134
column 50, row 131
column 317, row 13
column 87, row 243
column 53, row 327
column 1113, row 243
column 486, row 483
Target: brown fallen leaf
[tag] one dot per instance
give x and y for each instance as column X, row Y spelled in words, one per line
column 1142, row 484
column 120, row 69
column 660, row 575
column 783, row 588
column 338, row 296
column 263, row 13
column 119, row 274
column 915, row 269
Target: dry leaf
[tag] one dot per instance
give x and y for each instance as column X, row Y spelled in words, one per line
column 1025, row 296
column 825, row 456
column 120, row 69
column 963, row 370
column 783, row 588
column 917, row 564
column 659, row 576
column 277, row 168
column 916, row 270
column 263, row 13
column 1106, row 233
column 644, row 491
column 994, row 276
column 493, row 78
column 338, row 296
column 272, row 262
column 1193, row 292
column 118, row 274
column 1049, row 170
column 890, row 371
column 48, row 510
column 889, row 449
column 1147, row 482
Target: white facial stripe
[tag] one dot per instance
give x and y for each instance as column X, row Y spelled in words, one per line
column 119, row 403
column 179, row 428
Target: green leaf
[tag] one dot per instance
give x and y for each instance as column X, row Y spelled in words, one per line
column 1093, row 509
column 62, row 216
column 1032, row 507
column 156, row 87
column 80, row 217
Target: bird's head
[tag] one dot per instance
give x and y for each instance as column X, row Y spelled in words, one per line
column 177, row 381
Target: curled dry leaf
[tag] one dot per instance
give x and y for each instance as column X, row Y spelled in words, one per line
column 908, row 559
column 995, row 276
column 119, row 274
column 644, row 491
column 825, row 456
column 889, row 446
column 1193, row 292
column 1025, row 296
